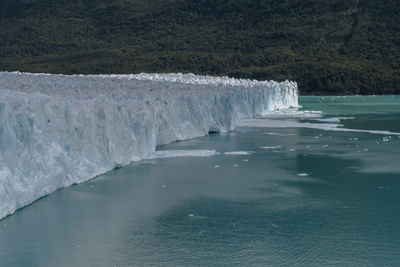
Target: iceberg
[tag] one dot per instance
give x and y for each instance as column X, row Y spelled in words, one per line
column 59, row 130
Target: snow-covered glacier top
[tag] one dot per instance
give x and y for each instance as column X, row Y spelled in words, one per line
column 56, row 130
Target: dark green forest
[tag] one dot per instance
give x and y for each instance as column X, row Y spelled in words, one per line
column 327, row 46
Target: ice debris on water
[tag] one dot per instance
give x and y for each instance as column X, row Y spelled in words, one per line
column 280, row 134
column 57, row 130
column 386, row 138
column 303, row 174
column 270, row 147
column 182, row 153
column 335, row 119
column 234, row 153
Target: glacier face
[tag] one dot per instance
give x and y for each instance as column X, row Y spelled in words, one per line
column 57, row 130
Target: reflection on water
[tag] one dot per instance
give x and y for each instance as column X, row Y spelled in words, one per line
column 254, row 209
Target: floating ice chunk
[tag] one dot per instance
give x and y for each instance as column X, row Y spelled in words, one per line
column 303, row 174
column 335, row 120
column 332, row 120
column 325, row 146
column 182, row 153
column 270, row 147
column 280, row 134
column 271, row 123
column 235, row 165
column 245, row 160
column 216, row 166
column 239, row 153
column 386, row 138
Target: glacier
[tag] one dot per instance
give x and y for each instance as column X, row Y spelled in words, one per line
column 59, row 130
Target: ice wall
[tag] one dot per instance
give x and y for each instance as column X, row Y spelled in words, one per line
column 57, row 130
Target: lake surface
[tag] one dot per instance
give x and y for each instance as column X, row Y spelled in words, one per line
column 312, row 193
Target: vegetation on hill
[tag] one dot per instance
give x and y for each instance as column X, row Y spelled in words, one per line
column 328, row 46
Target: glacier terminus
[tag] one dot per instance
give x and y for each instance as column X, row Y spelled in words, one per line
column 58, row 130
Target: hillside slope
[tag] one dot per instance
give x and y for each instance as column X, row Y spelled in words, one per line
column 328, row 46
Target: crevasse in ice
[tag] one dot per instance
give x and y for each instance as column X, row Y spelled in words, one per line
column 57, row 130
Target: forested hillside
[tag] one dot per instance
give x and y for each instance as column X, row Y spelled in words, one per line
column 328, row 46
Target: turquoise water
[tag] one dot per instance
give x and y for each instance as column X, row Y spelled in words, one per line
column 343, row 209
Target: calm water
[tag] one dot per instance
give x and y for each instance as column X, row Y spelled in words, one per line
column 344, row 208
